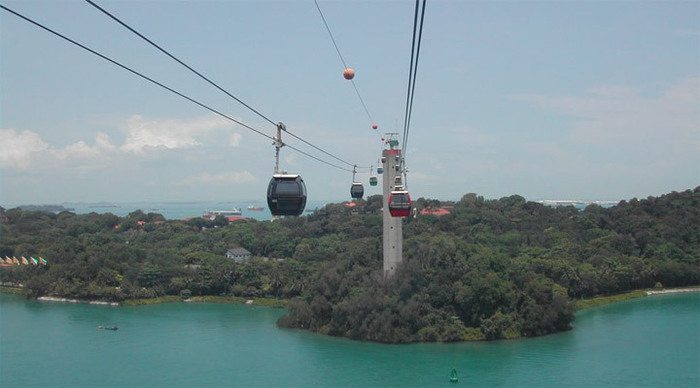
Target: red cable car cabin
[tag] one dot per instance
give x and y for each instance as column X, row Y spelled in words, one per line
column 400, row 203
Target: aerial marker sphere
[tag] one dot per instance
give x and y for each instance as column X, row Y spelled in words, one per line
column 349, row 73
column 374, row 126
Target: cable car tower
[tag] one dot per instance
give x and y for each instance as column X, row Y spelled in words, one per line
column 393, row 227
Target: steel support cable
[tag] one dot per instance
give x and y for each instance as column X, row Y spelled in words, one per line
column 342, row 60
column 410, row 72
column 58, row 34
column 164, row 51
column 207, row 79
column 319, row 149
column 415, row 73
column 318, row 159
column 330, row 34
column 134, row 71
column 362, row 101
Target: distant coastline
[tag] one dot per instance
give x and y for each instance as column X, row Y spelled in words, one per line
column 587, row 303
column 46, row 208
column 257, row 301
column 581, row 304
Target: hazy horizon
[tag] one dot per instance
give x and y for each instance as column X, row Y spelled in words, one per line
column 311, row 200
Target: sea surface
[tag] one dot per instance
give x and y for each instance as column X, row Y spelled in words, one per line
column 648, row 342
column 182, row 210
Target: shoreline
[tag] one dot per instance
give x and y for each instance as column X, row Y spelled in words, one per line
column 674, row 290
column 579, row 304
column 263, row 302
column 75, row 301
column 587, row 303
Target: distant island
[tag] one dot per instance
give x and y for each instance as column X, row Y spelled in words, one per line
column 575, row 202
column 474, row 269
column 46, row 208
column 98, row 205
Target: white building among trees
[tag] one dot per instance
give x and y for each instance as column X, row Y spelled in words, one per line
column 238, row 254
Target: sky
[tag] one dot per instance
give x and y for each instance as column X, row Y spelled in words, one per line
column 549, row 100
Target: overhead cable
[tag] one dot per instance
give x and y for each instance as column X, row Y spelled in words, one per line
column 319, row 149
column 166, row 52
column 331, row 35
column 342, row 60
column 318, row 159
column 413, row 70
column 37, row 24
column 410, row 71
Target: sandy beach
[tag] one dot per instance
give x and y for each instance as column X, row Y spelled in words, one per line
column 674, row 291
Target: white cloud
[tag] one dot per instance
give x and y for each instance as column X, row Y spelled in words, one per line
column 103, row 141
column 224, row 178
column 20, row 149
column 81, row 150
column 619, row 114
column 234, row 140
column 170, row 134
column 25, row 149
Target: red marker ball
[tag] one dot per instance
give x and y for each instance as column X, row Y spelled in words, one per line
column 349, row 73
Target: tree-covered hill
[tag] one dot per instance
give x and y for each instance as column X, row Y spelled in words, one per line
column 491, row 269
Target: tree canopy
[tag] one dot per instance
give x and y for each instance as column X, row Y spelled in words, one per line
column 490, row 269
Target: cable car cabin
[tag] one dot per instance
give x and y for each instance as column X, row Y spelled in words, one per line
column 286, row 195
column 357, row 190
column 373, row 181
column 399, row 203
column 380, row 170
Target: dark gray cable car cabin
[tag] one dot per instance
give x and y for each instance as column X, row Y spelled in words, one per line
column 357, row 190
column 286, row 195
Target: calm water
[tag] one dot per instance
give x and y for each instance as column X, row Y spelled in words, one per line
column 180, row 210
column 653, row 341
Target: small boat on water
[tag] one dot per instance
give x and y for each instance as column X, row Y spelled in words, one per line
column 255, row 208
column 453, row 376
column 113, row 328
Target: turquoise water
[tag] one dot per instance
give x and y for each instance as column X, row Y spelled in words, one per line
column 652, row 341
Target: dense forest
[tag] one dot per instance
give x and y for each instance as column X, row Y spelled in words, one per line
column 490, row 269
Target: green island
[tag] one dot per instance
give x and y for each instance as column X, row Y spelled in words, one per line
column 490, row 269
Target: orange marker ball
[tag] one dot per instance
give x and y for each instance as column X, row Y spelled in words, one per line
column 349, row 73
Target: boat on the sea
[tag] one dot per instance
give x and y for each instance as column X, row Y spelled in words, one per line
column 453, row 376
column 113, row 328
column 211, row 214
column 255, row 208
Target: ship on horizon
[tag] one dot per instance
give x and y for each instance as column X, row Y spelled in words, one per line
column 211, row 214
